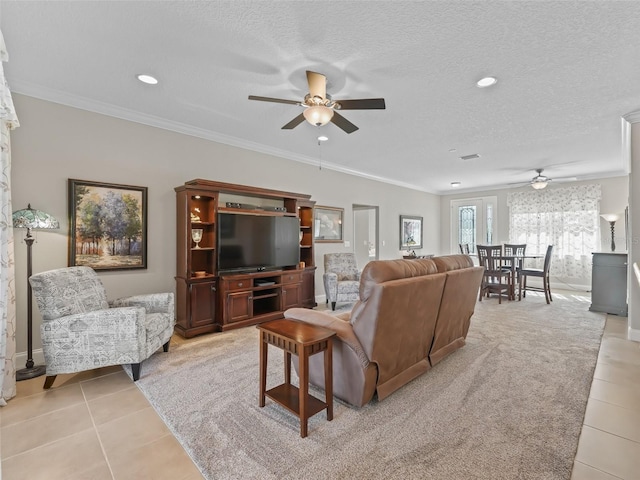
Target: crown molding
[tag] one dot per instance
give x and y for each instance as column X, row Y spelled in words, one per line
column 632, row 117
column 83, row 103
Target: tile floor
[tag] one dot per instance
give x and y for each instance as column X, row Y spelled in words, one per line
column 97, row 425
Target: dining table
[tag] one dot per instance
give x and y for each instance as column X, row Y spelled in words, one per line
column 515, row 262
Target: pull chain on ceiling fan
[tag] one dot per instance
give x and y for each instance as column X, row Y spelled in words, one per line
column 320, row 108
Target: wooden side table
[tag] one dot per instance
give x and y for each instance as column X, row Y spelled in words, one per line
column 301, row 339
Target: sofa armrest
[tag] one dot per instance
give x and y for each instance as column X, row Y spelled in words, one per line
column 343, row 328
column 152, row 302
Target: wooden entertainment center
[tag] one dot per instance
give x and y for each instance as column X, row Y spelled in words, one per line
column 208, row 300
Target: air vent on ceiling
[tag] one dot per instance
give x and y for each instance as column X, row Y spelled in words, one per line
column 470, row 157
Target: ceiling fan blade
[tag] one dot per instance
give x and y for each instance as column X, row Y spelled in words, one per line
column 343, row 123
column 564, row 179
column 317, row 84
column 294, row 123
column 362, row 104
column 275, row 100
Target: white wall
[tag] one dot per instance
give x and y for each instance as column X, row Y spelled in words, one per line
column 55, row 143
column 633, row 147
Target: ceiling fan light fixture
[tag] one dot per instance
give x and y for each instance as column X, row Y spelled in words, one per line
column 318, row 115
column 539, row 184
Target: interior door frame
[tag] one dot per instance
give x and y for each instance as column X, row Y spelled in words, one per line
column 376, row 232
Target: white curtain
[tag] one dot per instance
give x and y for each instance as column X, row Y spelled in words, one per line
column 8, row 121
column 567, row 218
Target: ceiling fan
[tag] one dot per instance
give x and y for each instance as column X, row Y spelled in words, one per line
column 320, row 108
column 541, row 181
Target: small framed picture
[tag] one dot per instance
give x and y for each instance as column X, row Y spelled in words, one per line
column 327, row 224
column 410, row 232
column 107, row 225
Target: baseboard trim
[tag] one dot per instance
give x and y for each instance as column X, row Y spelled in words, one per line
column 633, row 334
column 21, row 358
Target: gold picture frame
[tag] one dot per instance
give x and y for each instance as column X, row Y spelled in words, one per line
column 327, row 224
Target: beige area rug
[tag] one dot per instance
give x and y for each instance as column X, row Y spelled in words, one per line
column 509, row 405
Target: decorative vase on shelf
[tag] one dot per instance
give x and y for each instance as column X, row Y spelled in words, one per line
column 301, row 235
column 196, row 235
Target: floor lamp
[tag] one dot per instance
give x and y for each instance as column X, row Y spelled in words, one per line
column 612, row 218
column 30, row 218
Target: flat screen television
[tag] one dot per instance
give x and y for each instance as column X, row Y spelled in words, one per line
column 257, row 242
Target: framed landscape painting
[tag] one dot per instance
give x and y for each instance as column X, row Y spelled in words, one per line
column 107, row 225
column 327, row 224
column 410, row 232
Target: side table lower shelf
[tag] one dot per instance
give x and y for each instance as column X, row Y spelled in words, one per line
column 289, row 397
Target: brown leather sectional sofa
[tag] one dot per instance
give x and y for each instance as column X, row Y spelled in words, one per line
column 410, row 315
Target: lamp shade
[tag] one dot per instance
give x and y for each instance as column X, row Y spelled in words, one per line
column 611, row 217
column 32, row 218
column 318, row 115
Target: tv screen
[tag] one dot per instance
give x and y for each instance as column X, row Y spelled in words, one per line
column 257, row 242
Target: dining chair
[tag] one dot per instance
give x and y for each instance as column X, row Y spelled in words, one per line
column 464, row 248
column 539, row 273
column 514, row 250
column 495, row 278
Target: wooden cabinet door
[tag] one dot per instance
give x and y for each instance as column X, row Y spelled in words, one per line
column 203, row 301
column 308, row 295
column 290, row 296
column 238, row 306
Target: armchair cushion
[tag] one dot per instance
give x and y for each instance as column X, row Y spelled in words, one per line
column 341, row 277
column 69, row 292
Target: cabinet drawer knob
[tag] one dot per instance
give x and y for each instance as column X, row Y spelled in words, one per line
column 239, row 284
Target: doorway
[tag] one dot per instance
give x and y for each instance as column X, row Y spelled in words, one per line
column 365, row 234
column 473, row 221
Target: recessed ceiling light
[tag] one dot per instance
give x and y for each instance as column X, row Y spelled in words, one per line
column 452, row 150
column 147, row 79
column 455, row 184
column 486, row 82
column 323, row 138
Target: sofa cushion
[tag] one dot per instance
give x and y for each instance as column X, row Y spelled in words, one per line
column 380, row 271
column 446, row 263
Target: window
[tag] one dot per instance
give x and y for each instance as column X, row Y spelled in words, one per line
column 567, row 218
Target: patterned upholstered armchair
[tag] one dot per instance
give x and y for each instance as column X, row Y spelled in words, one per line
column 341, row 278
column 81, row 330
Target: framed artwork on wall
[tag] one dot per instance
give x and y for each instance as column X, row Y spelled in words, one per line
column 410, row 232
column 107, row 225
column 327, row 224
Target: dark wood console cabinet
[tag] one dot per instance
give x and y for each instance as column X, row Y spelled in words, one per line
column 208, row 300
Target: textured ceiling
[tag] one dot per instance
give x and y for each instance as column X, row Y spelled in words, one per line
column 567, row 72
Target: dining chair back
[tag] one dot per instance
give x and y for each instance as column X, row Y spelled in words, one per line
column 539, row 273
column 510, row 250
column 515, row 249
column 495, row 278
column 464, row 248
